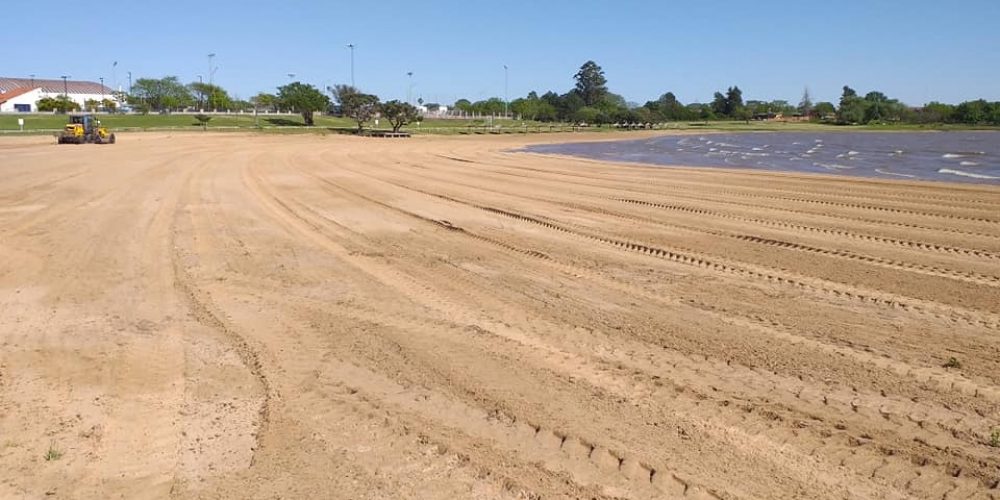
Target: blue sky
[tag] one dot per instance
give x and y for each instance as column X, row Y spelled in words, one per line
column 916, row 50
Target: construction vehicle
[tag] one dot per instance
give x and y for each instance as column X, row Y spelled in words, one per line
column 85, row 129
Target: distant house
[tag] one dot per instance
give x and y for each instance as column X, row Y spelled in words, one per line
column 22, row 94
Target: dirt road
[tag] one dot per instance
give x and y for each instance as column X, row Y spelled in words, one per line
column 228, row 316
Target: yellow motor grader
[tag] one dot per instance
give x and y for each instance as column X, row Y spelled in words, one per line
column 85, row 129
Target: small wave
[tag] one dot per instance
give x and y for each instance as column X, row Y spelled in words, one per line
column 713, row 149
column 756, row 149
column 969, row 164
column 963, row 154
column 819, row 140
column 879, row 170
column 852, row 153
column 966, row 174
column 833, row 166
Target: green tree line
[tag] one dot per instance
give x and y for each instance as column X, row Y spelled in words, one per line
column 590, row 101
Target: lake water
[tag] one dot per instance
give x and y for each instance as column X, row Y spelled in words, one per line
column 972, row 156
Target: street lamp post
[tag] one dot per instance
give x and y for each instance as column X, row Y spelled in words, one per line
column 102, row 91
column 351, row 46
column 210, row 71
column 506, row 99
column 129, row 83
column 32, row 80
column 65, row 93
column 201, row 94
column 409, row 88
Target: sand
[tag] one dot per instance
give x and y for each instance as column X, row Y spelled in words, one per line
column 256, row 316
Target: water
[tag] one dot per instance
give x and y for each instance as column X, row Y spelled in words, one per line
column 972, row 157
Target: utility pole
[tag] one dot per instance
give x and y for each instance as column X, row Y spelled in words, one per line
column 129, row 83
column 506, row 100
column 351, row 46
column 102, row 90
column 32, row 81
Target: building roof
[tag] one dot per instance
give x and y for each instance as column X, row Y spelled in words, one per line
column 53, row 86
column 12, row 93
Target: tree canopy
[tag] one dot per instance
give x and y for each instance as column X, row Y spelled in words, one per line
column 399, row 114
column 591, row 85
column 211, row 97
column 160, row 94
column 355, row 104
column 304, row 99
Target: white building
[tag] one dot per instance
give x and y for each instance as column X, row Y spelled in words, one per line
column 22, row 94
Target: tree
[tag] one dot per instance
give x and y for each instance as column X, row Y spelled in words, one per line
column 203, row 120
column 109, row 105
column 973, row 112
column 163, row 94
column 734, row 102
column 936, row 112
column 463, row 105
column 719, row 104
column 806, row 104
column 569, row 104
column 60, row 103
column 876, row 104
column 264, row 101
column 304, row 99
column 399, row 114
column 91, row 105
column 359, row 106
column 852, row 108
column 824, row 110
column 211, row 96
column 587, row 116
column 591, row 85
column 668, row 108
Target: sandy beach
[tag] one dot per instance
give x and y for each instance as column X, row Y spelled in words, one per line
column 272, row 316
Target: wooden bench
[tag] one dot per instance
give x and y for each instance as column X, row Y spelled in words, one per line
column 390, row 135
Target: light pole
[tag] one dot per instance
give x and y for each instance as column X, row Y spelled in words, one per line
column 506, row 100
column 210, row 70
column 102, row 90
column 409, row 88
column 351, row 46
column 32, row 81
column 291, row 77
column 65, row 93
